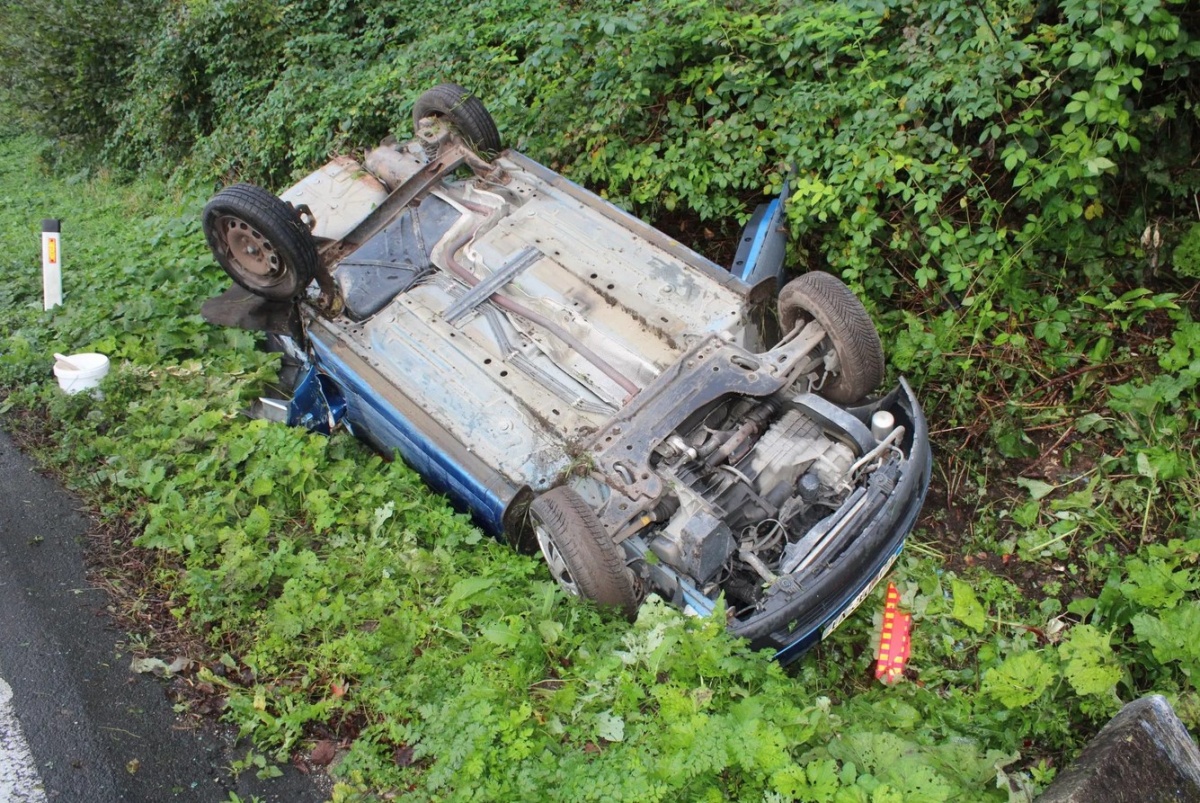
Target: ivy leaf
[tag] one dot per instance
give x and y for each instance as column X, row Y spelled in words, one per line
column 1019, row 680
column 966, row 606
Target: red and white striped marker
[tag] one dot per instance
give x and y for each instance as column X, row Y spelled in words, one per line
column 895, row 643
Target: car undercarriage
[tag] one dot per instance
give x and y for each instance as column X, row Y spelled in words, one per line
column 580, row 381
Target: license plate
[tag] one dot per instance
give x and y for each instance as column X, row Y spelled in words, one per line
column 858, row 600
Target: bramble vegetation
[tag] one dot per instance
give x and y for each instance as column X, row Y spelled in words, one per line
column 1011, row 185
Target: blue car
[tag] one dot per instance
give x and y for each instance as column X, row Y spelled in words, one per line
column 582, row 383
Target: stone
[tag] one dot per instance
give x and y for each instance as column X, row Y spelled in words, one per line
column 1144, row 755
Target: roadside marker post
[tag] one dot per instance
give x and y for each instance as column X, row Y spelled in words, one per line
column 51, row 263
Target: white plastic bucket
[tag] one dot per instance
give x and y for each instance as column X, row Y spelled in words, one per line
column 79, row 372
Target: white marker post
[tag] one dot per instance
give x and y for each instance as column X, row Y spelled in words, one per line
column 51, row 264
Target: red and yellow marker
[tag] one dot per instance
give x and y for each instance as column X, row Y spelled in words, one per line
column 895, row 643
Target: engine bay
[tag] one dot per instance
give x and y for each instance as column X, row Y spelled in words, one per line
column 767, row 487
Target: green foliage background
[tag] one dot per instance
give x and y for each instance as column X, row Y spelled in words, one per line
column 1010, row 185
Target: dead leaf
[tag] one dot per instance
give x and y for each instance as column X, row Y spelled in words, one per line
column 403, row 756
column 133, row 766
column 323, row 752
column 1054, row 629
column 180, row 664
column 143, row 665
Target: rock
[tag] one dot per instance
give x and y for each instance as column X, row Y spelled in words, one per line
column 1144, row 755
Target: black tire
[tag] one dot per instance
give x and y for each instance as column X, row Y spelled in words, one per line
column 260, row 241
column 850, row 333
column 581, row 555
column 464, row 111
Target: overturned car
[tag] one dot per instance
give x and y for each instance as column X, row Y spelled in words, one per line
column 582, row 383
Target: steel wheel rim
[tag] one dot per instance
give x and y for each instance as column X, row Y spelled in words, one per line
column 554, row 559
column 250, row 252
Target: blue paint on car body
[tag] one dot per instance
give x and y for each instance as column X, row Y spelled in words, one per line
column 756, row 247
column 389, row 430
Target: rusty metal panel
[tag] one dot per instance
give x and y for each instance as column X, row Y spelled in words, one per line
column 339, row 195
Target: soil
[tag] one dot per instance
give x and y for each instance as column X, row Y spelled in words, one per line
column 716, row 240
column 950, row 516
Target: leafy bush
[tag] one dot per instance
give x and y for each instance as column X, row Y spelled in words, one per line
column 210, row 61
column 1186, row 259
column 62, row 67
column 963, row 161
column 952, row 142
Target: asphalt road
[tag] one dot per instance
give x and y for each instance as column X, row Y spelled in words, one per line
column 75, row 723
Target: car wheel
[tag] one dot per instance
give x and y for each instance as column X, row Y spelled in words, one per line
column 260, row 241
column 850, row 333
column 463, row 111
column 580, row 553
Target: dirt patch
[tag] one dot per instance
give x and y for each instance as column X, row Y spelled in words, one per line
column 974, row 531
column 716, row 240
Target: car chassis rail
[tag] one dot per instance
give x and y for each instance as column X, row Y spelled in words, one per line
column 710, row 370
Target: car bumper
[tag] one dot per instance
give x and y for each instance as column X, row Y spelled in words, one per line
column 793, row 621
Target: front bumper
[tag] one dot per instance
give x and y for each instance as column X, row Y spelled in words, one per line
column 792, row 621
